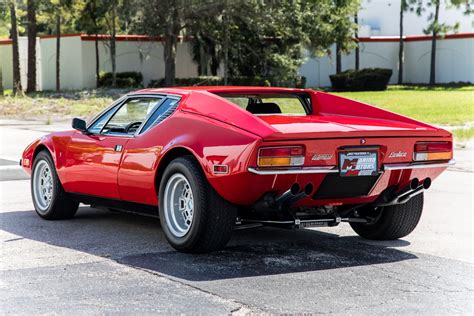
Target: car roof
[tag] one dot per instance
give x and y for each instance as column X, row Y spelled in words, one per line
column 223, row 89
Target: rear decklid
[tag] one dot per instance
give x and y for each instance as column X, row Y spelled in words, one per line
column 340, row 126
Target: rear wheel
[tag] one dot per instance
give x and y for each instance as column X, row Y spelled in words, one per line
column 193, row 216
column 49, row 199
column 393, row 222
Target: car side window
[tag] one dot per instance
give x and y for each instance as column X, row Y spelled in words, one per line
column 130, row 116
column 97, row 126
column 162, row 112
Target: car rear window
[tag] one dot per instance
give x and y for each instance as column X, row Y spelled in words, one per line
column 271, row 104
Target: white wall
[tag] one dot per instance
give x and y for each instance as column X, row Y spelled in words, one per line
column 6, row 65
column 454, row 61
column 142, row 56
column 70, row 63
column 382, row 17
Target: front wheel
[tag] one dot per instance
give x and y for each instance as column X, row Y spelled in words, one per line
column 193, row 216
column 49, row 198
column 393, row 222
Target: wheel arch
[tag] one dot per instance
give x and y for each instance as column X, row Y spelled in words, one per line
column 40, row 148
column 167, row 158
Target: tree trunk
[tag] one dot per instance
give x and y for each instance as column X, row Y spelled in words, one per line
column 400, row 46
column 31, row 18
column 112, row 47
column 170, row 59
column 433, row 45
column 356, row 35
column 97, row 60
column 16, row 57
column 58, row 51
column 338, row 59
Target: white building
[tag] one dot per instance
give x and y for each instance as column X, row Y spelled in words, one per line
column 378, row 31
column 379, row 36
column 77, row 60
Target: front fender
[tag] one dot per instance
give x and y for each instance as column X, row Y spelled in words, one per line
column 55, row 143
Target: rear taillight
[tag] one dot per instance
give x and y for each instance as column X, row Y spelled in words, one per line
column 281, row 156
column 433, row 151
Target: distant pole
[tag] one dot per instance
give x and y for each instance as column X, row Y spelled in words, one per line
column 16, row 59
column 226, row 46
column 400, row 46
column 433, row 45
column 58, row 51
column 356, row 35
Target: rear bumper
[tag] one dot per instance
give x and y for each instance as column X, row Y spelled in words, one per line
column 334, row 169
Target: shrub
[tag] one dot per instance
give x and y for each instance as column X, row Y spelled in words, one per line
column 298, row 82
column 124, row 79
column 369, row 79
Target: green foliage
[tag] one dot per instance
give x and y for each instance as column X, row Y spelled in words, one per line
column 297, row 81
column 434, row 26
column 127, row 79
column 369, row 79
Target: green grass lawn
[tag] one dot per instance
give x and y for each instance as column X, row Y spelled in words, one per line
column 440, row 105
column 444, row 106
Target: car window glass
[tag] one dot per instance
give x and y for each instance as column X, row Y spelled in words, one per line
column 270, row 104
column 99, row 124
column 163, row 111
column 130, row 116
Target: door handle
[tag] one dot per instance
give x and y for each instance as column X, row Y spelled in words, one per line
column 118, row 148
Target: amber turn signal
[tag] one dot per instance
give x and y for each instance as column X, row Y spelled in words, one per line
column 433, row 151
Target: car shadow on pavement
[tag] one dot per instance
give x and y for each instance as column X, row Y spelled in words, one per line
column 137, row 241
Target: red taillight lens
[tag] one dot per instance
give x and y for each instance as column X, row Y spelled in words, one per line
column 433, row 151
column 433, row 147
column 281, row 151
column 281, row 156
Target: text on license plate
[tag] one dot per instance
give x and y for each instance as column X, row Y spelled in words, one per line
column 358, row 163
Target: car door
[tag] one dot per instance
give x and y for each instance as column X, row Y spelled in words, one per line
column 93, row 158
column 137, row 172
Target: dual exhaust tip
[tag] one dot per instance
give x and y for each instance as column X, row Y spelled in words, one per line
column 293, row 195
column 403, row 195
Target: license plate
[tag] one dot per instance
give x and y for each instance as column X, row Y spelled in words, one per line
column 358, row 163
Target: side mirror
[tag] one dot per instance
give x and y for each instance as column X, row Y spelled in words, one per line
column 79, row 124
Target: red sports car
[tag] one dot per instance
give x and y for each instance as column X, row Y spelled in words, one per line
column 209, row 159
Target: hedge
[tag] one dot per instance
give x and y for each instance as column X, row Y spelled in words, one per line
column 124, row 79
column 369, row 79
column 298, row 82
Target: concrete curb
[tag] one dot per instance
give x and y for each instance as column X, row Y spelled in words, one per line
column 9, row 173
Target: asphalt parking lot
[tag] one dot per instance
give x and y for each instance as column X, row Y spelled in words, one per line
column 107, row 262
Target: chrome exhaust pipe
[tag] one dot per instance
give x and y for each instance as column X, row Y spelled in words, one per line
column 406, row 193
column 285, row 196
column 308, row 189
column 422, row 187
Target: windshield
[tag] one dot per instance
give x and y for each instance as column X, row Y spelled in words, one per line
column 271, row 104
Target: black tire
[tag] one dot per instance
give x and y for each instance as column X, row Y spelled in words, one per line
column 61, row 205
column 213, row 217
column 395, row 222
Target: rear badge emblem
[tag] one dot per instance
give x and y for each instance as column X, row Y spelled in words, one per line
column 397, row 154
column 363, row 141
column 321, row 157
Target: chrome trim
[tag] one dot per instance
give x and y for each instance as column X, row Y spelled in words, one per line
column 403, row 166
column 322, row 169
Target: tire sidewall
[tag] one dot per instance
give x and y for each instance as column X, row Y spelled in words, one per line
column 44, row 156
column 191, row 237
